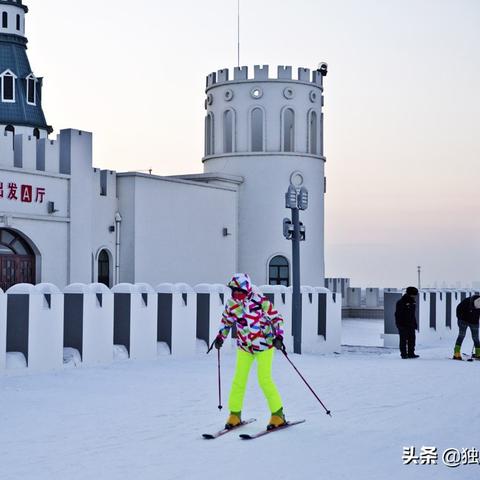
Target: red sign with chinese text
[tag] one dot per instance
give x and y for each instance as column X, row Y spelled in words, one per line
column 23, row 193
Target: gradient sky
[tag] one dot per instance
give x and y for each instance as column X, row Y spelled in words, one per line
column 402, row 114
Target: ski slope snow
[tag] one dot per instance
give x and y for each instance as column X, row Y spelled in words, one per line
column 144, row 420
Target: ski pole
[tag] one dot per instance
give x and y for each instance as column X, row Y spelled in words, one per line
column 219, row 382
column 219, row 379
column 211, row 346
column 306, row 383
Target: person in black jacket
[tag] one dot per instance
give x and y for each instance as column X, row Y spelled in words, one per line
column 468, row 315
column 406, row 322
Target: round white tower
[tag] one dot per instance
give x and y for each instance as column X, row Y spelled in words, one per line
column 270, row 132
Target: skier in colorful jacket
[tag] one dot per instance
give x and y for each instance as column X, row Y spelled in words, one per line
column 259, row 331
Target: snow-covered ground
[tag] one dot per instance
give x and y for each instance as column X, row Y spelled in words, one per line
column 359, row 331
column 144, row 420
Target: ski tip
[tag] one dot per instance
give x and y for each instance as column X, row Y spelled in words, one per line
column 208, row 436
column 245, row 436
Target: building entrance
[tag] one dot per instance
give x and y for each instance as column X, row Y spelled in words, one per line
column 17, row 260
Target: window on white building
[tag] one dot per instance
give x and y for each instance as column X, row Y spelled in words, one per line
column 278, row 271
column 257, row 130
column 228, row 131
column 11, row 128
column 8, row 86
column 5, row 20
column 31, row 90
column 288, row 124
column 18, row 22
column 104, row 268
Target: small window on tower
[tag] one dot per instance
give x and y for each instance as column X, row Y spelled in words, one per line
column 31, row 90
column 8, row 87
column 18, row 22
column 228, row 131
column 5, row 20
column 313, row 133
column 288, row 130
column 257, row 130
column 209, row 134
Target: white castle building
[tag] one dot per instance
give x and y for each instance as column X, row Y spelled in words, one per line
column 63, row 221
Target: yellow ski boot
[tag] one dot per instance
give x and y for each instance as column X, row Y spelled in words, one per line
column 276, row 420
column 234, row 420
column 457, row 356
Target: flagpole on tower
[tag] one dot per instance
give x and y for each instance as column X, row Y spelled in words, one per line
column 238, row 33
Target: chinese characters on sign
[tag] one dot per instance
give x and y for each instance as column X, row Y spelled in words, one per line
column 22, row 193
column 451, row 457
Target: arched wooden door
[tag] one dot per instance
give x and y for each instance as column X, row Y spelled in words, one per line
column 17, row 260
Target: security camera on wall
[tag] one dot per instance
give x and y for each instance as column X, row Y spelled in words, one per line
column 323, row 68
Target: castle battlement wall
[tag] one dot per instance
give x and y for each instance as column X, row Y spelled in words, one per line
column 261, row 73
column 71, row 148
column 105, row 183
column 264, row 114
column 44, row 154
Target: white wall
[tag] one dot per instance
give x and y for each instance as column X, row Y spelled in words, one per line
column 68, row 241
column 262, row 210
column 47, row 232
column 76, row 159
column 126, row 206
column 56, row 189
column 51, row 239
column 104, row 209
column 176, row 228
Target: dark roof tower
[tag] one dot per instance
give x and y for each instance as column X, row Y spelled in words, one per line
column 20, row 89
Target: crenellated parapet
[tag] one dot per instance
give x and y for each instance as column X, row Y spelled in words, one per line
column 105, row 183
column 70, row 154
column 265, row 113
column 261, row 73
column 29, row 153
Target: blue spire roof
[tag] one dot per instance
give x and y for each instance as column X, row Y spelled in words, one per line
column 13, row 57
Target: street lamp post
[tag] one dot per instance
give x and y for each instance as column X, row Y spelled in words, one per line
column 296, row 200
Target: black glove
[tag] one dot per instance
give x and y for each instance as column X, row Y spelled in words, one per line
column 218, row 343
column 278, row 343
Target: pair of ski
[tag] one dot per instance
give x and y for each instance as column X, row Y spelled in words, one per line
column 245, row 436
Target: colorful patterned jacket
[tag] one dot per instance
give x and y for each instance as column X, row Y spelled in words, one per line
column 256, row 320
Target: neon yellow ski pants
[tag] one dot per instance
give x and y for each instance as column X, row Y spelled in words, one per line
column 264, row 374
